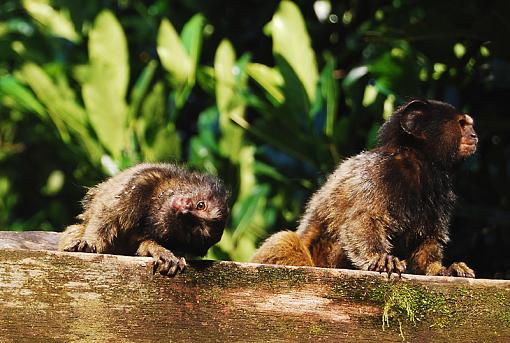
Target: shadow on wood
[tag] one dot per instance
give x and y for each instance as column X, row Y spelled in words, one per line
column 49, row 295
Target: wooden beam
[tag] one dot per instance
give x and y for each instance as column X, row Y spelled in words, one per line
column 30, row 240
column 56, row 296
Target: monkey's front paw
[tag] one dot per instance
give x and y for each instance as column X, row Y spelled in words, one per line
column 167, row 263
column 458, row 269
column 387, row 263
column 79, row 245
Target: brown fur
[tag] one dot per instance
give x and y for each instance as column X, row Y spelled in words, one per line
column 149, row 210
column 395, row 200
column 295, row 253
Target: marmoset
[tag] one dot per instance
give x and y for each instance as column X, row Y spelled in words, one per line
column 151, row 210
column 389, row 206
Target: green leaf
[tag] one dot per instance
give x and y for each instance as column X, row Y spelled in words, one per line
column 329, row 87
column 354, row 75
column 153, row 108
column 247, row 213
column 20, row 95
column 56, row 23
column 51, row 97
column 297, row 102
column 269, row 79
column 203, row 150
column 206, row 79
column 140, row 88
column 292, row 42
column 54, row 183
column 230, row 104
column 166, row 146
column 65, row 113
column 173, row 56
column 159, row 140
column 104, row 90
column 300, row 145
column 191, row 37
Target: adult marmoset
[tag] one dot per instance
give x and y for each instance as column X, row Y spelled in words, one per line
column 387, row 207
column 151, row 210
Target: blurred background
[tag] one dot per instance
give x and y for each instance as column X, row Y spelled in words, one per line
column 269, row 95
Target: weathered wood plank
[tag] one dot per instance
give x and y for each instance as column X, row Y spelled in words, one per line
column 55, row 296
column 31, row 240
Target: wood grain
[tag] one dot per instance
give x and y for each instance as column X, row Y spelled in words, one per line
column 77, row 297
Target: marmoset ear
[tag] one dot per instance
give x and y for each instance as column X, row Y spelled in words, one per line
column 412, row 118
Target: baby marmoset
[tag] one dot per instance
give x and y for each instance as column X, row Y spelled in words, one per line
column 151, row 210
column 388, row 204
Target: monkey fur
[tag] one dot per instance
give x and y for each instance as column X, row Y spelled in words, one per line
column 151, row 210
column 387, row 207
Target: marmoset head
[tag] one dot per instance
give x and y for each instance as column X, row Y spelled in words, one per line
column 191, row 213
column 439, row 130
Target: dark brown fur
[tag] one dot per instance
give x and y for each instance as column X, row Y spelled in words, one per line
column 151, row 210
column 388, row 204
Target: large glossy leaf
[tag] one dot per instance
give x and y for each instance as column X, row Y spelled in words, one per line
column 104, row 90
column 269, row 79
column 191, row 37
column 55, row 22
column 292, row 42
column 230, row 105
column 173, row 55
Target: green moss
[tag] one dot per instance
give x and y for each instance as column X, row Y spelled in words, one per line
column 401, row 302
column 411, row 303
column 315, row 329
column 498, row 304
column 293, row 277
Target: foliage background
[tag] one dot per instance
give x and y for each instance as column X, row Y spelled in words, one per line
column 87, row 88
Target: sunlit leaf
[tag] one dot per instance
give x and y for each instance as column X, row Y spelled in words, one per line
column 354, row 75
column 191, row 37
column 172, row 54
column 57, row 23
column 48, row 93
column 21, row 96
column 104, row 90
column 54, row 183
column 292, row 42
column 230, row 105
column 369, row 96
column 65, row 113
column 268, row 78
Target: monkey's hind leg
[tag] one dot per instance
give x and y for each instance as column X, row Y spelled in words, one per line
column 284, row 247
column 91, row 237
column 427, row 259
column 367, row 246
column 70, row 239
